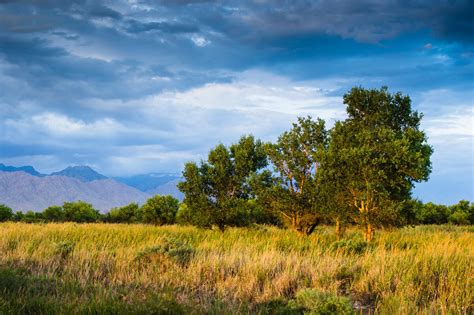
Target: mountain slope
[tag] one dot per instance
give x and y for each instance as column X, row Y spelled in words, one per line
column 169, row 188
column 147, row 182
column 22, row 191
column 82, row 173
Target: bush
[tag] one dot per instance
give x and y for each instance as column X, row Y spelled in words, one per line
column 126, row 214
column 80, row 212
column 315, row 302
column 53, row 214
column 431, row 213
column 6, row 213
column 459, row 218
column 32, row 217
column 462, row 213
column 160, row 210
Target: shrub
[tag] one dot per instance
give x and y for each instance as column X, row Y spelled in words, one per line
column 54, row 214
column 126, row 214
column 160, row 210
column 459, row 218
column 431, row 213
column 462, row 213
column 80, row 211
column 32, row 217
column 313, row 301
column 6, row 213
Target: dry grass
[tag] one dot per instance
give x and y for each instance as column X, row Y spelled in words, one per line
column 97, row 268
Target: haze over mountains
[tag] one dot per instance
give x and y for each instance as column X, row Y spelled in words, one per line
column 24, row 188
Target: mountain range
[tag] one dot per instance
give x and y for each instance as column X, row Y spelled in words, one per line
column 24, row 188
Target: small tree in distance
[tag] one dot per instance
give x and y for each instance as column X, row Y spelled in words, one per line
column 53, row 214
column 160, row 210
column 126, row 214
column 6, row 213
column 80, row 211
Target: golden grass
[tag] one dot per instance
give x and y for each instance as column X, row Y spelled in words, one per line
column 84, row 268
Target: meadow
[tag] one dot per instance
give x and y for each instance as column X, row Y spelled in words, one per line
column 70, row 268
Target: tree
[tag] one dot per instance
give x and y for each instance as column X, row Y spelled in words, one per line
column 32, row 217
column 53, row 214
column 431, row 213
column 80, row 211
column 216, row 192
column 296, row 158
column 126, row 214
column 160, row 210
column 378, row 153
column 461, row 213
column 6, row 213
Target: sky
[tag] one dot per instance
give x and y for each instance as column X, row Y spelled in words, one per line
column 131, row 87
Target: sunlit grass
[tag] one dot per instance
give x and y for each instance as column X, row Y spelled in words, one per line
column 77, row 268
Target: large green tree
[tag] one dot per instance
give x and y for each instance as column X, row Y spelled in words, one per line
column 217, row 191
column 296, row 158
column 376, row 155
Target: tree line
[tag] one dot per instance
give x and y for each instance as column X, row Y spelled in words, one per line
column 162, row 210
column 159, row 210
column 359, row 172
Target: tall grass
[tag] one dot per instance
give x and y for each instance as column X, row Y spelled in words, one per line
column 97, row 268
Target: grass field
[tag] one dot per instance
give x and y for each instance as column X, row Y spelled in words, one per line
column 103, row 268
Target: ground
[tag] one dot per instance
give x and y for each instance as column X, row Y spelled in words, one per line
column 113, row 268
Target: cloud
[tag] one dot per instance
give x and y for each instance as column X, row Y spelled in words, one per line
column 200, row 41
column 122, row 84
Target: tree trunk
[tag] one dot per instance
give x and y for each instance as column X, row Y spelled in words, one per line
column 339, row 229
column 369, row 232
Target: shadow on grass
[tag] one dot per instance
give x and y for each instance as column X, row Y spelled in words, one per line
column 23, row 293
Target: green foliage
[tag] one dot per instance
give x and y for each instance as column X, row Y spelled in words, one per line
column 80, row 212
column 462, row 213
column 160, row 210
column 431, row 213
column 53, row 214
column 296, row 157
column 6, row 213
column 216, row 191
column 376, row 155
column 32, row 217
column 315, row 302
column 126, row 214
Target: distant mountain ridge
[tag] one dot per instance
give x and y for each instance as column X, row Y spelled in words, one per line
column 27, row 169
column 83, row 173
column 148, row 182
column 22, row 191
column 24, row 188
